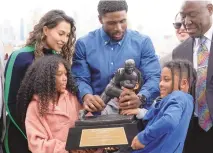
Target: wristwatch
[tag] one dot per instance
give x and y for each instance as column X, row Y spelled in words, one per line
column 143, row 99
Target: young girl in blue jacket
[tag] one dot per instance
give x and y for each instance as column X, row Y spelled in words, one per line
column 169, row 117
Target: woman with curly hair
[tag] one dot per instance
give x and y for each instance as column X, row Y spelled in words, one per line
column 47, row 105
column 54, row 34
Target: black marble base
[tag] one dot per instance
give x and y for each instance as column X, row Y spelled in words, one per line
column 130, row 125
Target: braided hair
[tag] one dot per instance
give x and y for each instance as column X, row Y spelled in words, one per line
column 40, row 80
column 183, row 68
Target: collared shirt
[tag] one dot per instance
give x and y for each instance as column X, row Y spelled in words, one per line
column 196, row 46
column 97, row 58
column 49, row 134
column 197, row 42
column 168, row 122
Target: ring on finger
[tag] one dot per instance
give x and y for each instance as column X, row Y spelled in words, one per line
column 128, row 103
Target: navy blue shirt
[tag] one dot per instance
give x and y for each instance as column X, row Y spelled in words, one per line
column 15, row 70
column 97, row 58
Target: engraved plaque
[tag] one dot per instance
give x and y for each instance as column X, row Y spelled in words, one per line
column 103, row 137
column 103, row 131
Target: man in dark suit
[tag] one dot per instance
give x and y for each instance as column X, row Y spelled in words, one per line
column 197, row 20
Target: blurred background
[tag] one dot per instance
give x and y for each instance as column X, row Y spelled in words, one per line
column 150, row 17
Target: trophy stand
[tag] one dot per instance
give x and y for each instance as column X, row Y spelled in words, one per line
column 113, row 130
column 103, row 131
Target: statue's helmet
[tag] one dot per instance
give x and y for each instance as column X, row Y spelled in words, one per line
column 130, row 63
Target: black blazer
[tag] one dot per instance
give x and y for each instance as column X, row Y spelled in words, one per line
column 185, row 51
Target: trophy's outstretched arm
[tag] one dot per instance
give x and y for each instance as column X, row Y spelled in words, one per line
column 109, row 93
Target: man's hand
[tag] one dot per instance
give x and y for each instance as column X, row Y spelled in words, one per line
column 136, row 145
column 128, row 100
column 93, row 103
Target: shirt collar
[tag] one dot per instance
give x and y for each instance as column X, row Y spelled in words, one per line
column 208, row 35
column 107, row 39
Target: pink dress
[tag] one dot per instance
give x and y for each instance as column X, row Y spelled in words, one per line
column 48, row 134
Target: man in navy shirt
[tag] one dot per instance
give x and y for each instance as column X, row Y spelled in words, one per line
column 100, row 53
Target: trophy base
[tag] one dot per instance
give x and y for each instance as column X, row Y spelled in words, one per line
column 103, row 131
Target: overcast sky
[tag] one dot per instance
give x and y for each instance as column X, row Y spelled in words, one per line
column 152, row 17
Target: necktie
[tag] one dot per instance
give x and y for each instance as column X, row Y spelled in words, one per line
column 204, row 117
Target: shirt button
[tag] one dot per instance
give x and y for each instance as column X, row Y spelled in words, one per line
column 111, row 63
column 111, row 48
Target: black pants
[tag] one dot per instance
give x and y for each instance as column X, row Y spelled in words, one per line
column 198, row 140
column 17, row 142
column 1, row 150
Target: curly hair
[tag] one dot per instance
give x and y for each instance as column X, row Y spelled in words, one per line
column 51, row 19
column 183, row 68
column 40, row 80
column 107, row 6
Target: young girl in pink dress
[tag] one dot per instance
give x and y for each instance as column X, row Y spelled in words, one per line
column 47, row 105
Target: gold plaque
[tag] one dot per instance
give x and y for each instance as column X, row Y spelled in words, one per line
column 103, row 137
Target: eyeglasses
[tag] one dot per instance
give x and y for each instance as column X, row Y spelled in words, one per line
column 177, row 25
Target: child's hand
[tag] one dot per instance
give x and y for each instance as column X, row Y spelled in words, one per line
column 130, row 111
column 111, row 149
column 136, row 145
